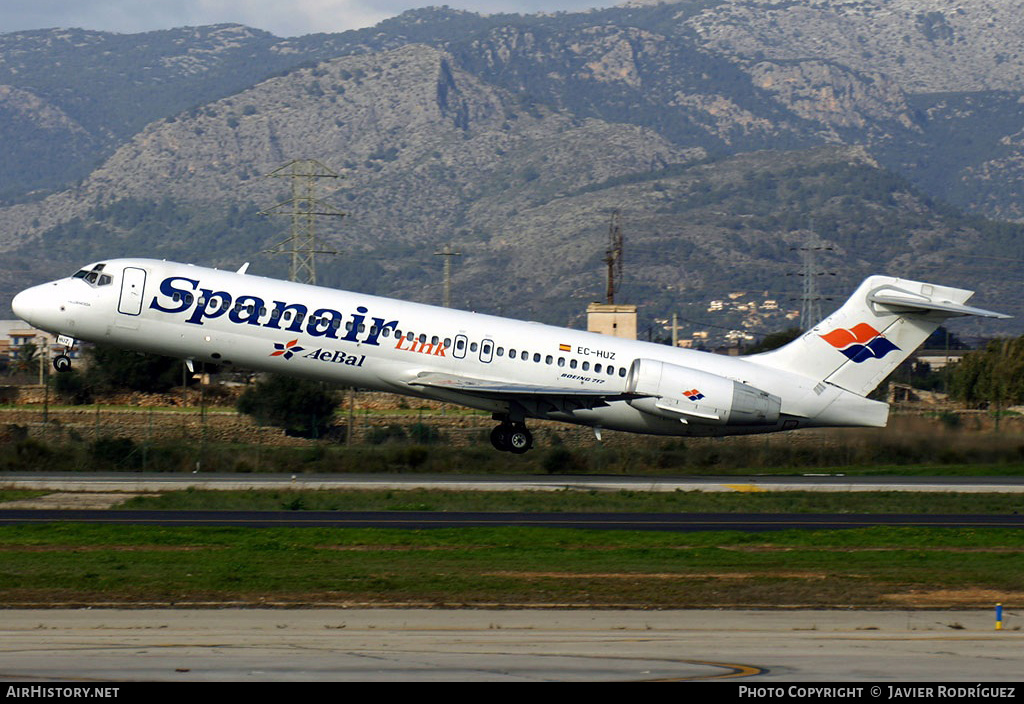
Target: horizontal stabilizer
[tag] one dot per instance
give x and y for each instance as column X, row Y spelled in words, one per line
column 908, row 301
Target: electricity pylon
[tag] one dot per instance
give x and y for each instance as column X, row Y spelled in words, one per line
column 810, row 298
column 303, row 207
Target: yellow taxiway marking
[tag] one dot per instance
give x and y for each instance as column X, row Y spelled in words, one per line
column 745, row 487
column 734, row 671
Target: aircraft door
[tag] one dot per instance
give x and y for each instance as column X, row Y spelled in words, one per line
column 132, row 284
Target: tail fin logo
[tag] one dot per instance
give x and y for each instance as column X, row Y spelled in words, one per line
column 860, row 343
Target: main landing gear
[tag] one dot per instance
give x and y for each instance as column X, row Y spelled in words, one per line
column 512, row 437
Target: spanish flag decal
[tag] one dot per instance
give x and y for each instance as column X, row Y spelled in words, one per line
column 565, row 348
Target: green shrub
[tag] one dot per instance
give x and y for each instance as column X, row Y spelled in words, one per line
column 121, row 453
column 301, row 407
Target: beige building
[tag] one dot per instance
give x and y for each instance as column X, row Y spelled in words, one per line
column 615, row 319
column 15, row 333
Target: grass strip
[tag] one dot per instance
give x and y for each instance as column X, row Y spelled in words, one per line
column 62, row 564
column 585, row 501
column 18, row 494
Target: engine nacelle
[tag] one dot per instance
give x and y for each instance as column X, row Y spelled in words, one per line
column 693, row 396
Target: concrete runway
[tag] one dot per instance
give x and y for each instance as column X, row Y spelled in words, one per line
column 750, row 647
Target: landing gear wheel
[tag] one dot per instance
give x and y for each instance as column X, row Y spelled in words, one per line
column 62, row 363
column 512, row 437
column 500, row 438
column 520, row 440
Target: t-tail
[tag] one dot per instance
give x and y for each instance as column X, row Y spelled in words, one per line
column 878, row 327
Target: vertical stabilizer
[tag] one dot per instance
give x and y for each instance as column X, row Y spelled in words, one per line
column 878, row 327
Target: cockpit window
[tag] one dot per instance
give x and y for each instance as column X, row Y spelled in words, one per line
column 94, row 276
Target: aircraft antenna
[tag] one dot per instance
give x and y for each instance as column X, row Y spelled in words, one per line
column 303, row 207
column 613, row 257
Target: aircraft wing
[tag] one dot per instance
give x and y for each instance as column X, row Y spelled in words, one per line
column 560, row 397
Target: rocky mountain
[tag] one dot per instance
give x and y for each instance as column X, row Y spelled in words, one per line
column 926, row 46
column 728, row 134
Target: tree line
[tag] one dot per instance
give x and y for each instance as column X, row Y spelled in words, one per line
column 301, row 407
column 989, row 378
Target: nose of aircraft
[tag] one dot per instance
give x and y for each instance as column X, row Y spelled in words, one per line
column 37, row 306
column 22, row 305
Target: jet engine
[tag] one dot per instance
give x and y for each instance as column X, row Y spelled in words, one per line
column 694, row 396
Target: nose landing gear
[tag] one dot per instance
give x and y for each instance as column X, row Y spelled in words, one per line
column 512, row 437
column 62, row 363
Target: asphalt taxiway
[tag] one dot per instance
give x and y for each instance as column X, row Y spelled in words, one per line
column 155, row 482
column 421, row 520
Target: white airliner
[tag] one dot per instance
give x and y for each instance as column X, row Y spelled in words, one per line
column 514, row 369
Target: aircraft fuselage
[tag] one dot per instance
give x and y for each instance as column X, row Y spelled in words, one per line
column 512, row 368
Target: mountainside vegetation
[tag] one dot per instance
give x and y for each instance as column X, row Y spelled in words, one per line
column 731, row 135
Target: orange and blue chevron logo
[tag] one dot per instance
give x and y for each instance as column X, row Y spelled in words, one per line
column 860, row 343
column 287, row 350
